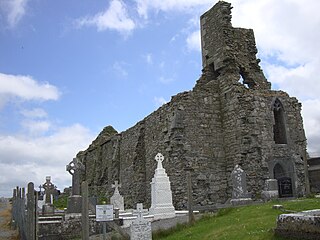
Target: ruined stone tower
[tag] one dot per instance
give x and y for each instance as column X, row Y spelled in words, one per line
column 230, row 117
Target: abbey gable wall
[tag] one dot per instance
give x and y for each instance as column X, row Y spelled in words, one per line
column 230, row 117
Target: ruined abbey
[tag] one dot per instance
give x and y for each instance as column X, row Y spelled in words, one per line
column 230, row 117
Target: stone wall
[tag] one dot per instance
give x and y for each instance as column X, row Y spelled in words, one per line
column 227, row 119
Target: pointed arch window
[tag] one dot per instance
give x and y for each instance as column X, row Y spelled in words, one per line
column 279, row 129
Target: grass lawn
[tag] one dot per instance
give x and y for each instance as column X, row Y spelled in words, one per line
column 241, row 223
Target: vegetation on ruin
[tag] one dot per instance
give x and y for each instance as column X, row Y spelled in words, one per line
column 240, row 223
column 61, row 202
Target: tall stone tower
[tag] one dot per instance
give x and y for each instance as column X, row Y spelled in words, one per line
column 230, row 117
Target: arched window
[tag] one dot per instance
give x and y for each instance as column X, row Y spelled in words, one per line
column 279, row 129
column 278, row 171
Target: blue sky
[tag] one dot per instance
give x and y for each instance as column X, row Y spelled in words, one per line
column 70, row 68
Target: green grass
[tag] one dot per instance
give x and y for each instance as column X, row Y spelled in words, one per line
column 254, row 222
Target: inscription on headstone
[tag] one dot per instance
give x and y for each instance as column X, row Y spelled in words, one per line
column 140, row 228
column 240, row 194
column 285, row 187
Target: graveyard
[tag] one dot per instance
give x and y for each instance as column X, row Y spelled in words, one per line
column 225, row 160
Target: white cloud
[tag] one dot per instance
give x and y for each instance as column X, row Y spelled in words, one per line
column 120, row 69
column 144, row 6
column 114, row 18
column 25, row 88
column 34, row 113
column 166, row 80
column 148, row 58
column 25, row 159
column 14, row 10
column 193, row 41
column 36, row 127
column 311, row 114
column 159, row 101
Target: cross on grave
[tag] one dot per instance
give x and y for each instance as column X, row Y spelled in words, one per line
column 48, row 188
column 140, row 211
column 116, row 186
column 75, row 168
column 159, row 158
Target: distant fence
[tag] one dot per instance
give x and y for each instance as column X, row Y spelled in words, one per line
column 24, row 214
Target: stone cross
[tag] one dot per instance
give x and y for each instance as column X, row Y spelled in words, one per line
column 48, row 188
column 159, row 158
column 117, row 200
column 140, row 211
column 75, row 168
column 116, row 186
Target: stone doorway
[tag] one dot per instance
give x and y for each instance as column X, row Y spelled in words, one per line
column 284, row 182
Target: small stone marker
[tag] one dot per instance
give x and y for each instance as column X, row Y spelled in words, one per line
column 240, row 194
column 140, row 228
column 117, row 199
column 271, row 190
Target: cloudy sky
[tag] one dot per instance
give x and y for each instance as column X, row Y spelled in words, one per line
column 69, row 68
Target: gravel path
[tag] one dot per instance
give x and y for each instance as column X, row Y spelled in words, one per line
column 5, row 217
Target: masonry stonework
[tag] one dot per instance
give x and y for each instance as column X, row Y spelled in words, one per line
column 230, row 117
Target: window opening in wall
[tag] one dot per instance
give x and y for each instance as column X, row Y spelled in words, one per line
column 242, row 81
column 278, row 171
column 279, row 130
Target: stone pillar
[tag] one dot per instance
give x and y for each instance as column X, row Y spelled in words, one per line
column 76, row 169
column 31, row 213
column 85, row 210
column 190, row 200
column 161, row 195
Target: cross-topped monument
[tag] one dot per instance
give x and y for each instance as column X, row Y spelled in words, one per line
column 140, row 211
column 161, row 195
column 75, row 168
column 116, row 186
column 48, row 187
column 159, row 158
column 117, row 199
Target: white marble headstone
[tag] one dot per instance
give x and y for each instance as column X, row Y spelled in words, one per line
column 161, row 195
column 117, row 200
column 140, row 228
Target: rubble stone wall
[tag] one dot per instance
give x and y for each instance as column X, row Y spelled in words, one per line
column 226, row 119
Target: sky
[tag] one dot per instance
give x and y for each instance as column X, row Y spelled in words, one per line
column 70, row 68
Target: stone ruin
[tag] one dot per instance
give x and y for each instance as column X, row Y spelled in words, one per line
column 231, row 117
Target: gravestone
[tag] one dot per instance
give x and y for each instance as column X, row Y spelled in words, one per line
column 117, row 200
column 285, row 187
column 240, row 194
column 76, row 169
column 161, row 195
column 49, row 188
column 271, row 190
column 140, row 228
